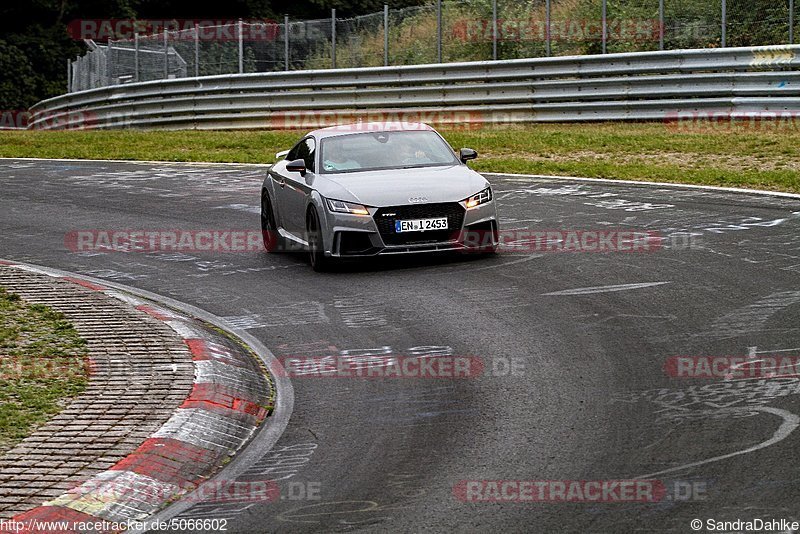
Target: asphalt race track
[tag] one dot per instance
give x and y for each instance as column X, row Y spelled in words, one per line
column 574, row 346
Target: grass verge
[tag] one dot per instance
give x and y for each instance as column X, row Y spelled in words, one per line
column 43, row 364
column 762, row 156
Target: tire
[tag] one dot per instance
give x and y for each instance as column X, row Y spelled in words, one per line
column 269, row 230
column 316, row 251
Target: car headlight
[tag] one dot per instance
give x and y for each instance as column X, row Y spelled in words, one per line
column 479, row 198
column 340, row 206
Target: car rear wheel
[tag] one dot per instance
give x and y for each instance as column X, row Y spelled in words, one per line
column 316, row 250
column 269, row 230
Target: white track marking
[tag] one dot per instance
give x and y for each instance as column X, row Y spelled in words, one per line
column 789, row 424
column 639, row 182
column 603, row 289
column 528, row 257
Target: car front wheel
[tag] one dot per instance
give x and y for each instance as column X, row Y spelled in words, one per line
column 269, row 230
column 316, row 250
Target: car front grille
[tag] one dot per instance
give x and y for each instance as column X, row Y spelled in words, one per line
column 386, row 217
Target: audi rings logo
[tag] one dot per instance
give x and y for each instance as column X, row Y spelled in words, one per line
column 416, row 200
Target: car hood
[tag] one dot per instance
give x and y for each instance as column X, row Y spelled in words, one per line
column 397, row 186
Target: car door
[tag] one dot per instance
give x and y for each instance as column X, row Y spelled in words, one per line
column 285, row 196
column 295, row 191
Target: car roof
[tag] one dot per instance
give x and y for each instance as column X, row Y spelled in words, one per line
column 362, row 127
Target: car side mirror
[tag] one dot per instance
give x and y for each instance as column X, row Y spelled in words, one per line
column 466, row 154
column 297, row 165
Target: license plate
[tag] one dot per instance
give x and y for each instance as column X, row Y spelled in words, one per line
column 420, row 225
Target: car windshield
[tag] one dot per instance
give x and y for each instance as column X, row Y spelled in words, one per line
column 384, row 150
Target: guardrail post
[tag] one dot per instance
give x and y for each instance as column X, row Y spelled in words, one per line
column 791, row 21
column 166, row 55
column 135, row 57
column 494, row 29
column 438, row 31
column 605, row 25
column 286, row 42
column 385, row 35
column 196, row 50
column 724, row 23
column 239, row 28
column 547, row 24
column 69, row 75
column 661, row 24
column 333, row 38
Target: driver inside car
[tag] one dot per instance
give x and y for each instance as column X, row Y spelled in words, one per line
column 410, row 155
column 339, row 160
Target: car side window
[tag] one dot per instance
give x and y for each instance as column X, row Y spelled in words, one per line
column 308, row 153
column 292, row 155
column 305, row 150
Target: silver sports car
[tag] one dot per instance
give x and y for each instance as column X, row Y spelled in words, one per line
column 370, row 189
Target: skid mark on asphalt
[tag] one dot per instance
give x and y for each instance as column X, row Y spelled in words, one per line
column 605, row 200
column 430, row 407
column 705, row 402
column 110, row 274
column 357, row 312
column 348, row 515
column 753, row 318
column 199, row 183
column 723, row 225
column 240, row 207
column 603, row 289
column 295, row 314
column 494, row 298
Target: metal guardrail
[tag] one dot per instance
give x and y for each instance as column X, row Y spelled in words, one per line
column 635, row 86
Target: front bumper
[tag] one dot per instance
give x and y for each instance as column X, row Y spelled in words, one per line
column 354, row 236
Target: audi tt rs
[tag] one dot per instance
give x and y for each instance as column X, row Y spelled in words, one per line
column 372, row 189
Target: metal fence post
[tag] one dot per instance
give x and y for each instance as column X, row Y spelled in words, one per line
column 286, row 42
column 108, row 62
column 724, row 23
column 385, row 35
column 605, row 25
column 438, row 31
column 135, row 57
column 166, row 56
column 791, row 21
column 69, row 75
column 239, row 28
column 494, row 30
column 333, row 38
column 547, row 27
column 196, row 50
column 661, row 24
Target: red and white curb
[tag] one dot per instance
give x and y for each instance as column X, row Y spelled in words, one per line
column 230, row 398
